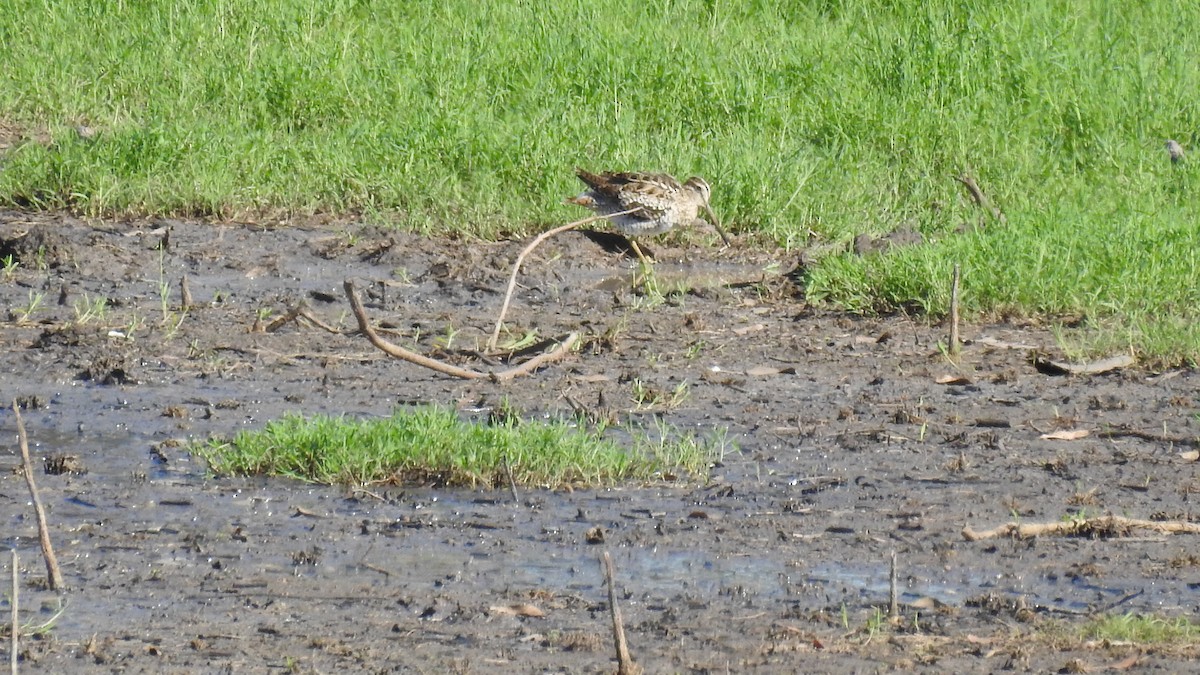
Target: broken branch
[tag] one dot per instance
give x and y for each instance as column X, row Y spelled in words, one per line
column 1048, row 366
column 625, row 663
column 52, row 570
column 16, row 617
column 955, row 340
column 512, row 278
column 1105, row 526
column 399, row 352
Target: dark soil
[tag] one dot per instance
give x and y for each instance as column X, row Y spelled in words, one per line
column 856, row 437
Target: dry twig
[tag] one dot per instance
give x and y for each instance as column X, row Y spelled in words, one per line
column 52, row 570
column 1048, row 366
column 894, row 605
column 299, row 310
column 1111, row 526
column 307, row 313
column 512, row 278
column 399, row 352
column 625, row 664
column 278, row 322
column 512, row 484
column 955, row 340
column 185, row 294
column 1122, row 432
column 16, row 621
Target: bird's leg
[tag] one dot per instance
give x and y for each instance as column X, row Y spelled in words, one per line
column 638, row 251
column 646, row 277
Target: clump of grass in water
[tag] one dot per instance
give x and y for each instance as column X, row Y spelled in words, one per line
column 434, row 444
column 1142, row 629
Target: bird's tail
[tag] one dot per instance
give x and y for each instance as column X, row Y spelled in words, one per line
column 592, row 180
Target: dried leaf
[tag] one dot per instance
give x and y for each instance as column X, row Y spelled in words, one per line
column 953, row 379
column 763, row 371
column 519, row 609
column 593, row 378
column 1065, row 435
column 746, row 330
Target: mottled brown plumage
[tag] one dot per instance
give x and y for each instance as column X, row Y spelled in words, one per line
column 656, row 202
column 1174, row 151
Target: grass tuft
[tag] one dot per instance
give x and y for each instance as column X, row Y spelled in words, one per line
column 433, row 444
column 1142, row 629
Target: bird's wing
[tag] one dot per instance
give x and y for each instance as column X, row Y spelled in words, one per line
column 652, row 192
column 662, row 181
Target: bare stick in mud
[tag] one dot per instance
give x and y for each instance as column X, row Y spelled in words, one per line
column 1102, row 526
column 364, row 325
column 52, row 570
column 276, row 323
column 512, row 484
column 299, row 310
column 955, row 341
column 185, row 294
column 16, row 621
column 625, row 664
column 894, row 607
column 512, row 278
column 307, row 313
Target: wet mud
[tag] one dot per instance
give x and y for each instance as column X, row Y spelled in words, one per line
column 855, row 438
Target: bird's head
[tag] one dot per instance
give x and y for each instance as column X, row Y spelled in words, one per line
column 703, row 192
column 699, row 186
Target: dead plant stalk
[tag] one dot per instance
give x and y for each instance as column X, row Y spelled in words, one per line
column 512, row 278
column 16, row 621
column 955, row 338
column 52, row 570
column 625, row 663
column 364, row 325
column 1112, row 524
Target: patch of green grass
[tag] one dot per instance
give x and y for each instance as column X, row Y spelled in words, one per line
column 818, row 120
column 1131, row 282
column 1142, row 629
column 434, row 445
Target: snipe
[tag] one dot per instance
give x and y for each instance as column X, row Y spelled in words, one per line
column 655, row 202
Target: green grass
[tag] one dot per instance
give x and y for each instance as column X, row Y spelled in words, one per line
column 831, row 118
column 434, row 445
column 1142, row 629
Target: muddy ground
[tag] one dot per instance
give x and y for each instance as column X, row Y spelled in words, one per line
column 855, row 437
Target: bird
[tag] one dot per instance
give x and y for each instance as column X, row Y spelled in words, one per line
column 645, row 204
column 1175, row 150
